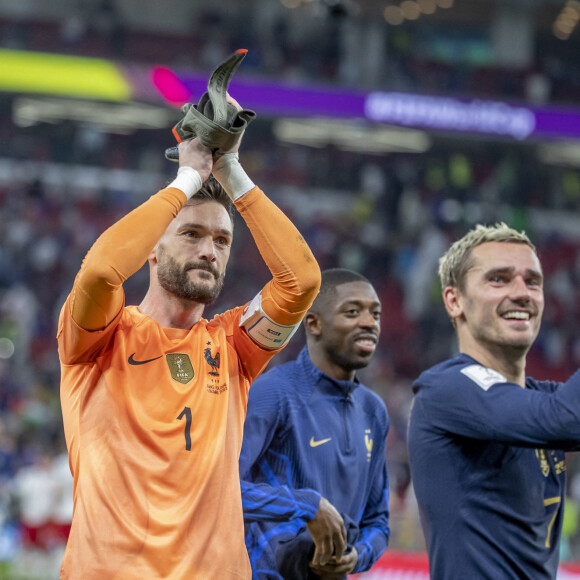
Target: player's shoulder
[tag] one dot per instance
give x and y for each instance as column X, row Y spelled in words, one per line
column 293, row 378
column 280, row 372
column 229, row 319
column 278, row 389
column 374, row 406
column 458, row 370
column 545, row 386
column 370, row 397
column 133, row 317
column 283, row 376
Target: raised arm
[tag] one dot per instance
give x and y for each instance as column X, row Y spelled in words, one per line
column 275, row 313
column 97, row 294
column 296, row 275
column 479, row 403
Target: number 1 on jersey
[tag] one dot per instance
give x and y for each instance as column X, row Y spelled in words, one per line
column 187, row 414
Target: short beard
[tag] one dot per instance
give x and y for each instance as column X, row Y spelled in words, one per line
column 175, row 280
column 348, row 362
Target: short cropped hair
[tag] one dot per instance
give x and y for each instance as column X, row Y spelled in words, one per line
column 332, row 278
column 211, row 190
column 456, row 262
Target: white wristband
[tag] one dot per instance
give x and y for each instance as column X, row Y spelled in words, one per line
column 188, row 180
column 231, row 175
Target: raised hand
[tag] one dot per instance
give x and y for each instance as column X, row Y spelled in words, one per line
column 193, row 154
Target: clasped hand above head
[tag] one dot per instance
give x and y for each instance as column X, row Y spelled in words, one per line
column 199, row 157
column 195, row 155
column 236, row 146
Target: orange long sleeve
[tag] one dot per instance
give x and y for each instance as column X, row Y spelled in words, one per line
column 295, row 271
column 97, row 295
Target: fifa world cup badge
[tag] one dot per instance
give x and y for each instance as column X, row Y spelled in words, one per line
column 180, row 367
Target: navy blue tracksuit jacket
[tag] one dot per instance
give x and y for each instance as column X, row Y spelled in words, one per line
column 488, row 467
column 306, row 436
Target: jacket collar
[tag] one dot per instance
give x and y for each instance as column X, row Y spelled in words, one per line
column 325, row 383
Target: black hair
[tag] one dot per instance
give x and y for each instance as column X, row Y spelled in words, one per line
column 211, row 190
column 332, row 278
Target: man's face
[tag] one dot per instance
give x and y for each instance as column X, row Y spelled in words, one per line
column 193, row 252
column 503, row 298
column 350, row 325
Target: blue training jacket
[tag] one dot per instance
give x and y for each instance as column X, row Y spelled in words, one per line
column 306, row 436
column 488, row 468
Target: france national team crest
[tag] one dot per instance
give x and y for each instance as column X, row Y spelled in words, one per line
column 368, row 444
column 180, row 367
column 214, row 362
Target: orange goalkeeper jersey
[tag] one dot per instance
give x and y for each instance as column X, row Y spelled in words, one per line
column 160, row 415
column 154, row 416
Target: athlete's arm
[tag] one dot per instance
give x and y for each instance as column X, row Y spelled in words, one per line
column 278, row 309
column 97, row 295
column 272, row 501
column 470, row 404
column 374, row 532
column 328, row 533
column 262, row 502
column 265, row 502
column 373, row 529
column 275, row 313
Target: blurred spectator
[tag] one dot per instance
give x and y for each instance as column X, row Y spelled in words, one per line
column 62, row 509
column 386, row 215
column 33, row 489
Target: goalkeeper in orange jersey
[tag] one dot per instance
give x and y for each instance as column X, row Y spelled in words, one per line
column 154, row 396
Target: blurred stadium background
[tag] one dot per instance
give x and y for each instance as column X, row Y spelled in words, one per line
column 385, row 129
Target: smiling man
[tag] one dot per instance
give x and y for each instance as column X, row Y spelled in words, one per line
column 487, row 443
column 314, row 481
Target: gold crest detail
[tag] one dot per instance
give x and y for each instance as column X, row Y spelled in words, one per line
column 368, row 444
column 542, row 456
column 180, row 367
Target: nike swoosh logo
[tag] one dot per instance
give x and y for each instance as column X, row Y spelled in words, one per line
column 132, row 361
column 317, row 443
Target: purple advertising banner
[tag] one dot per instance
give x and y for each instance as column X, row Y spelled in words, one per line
column 475, row 116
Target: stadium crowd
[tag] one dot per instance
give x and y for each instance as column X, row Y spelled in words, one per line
column 389, row 217
column 310, row 43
